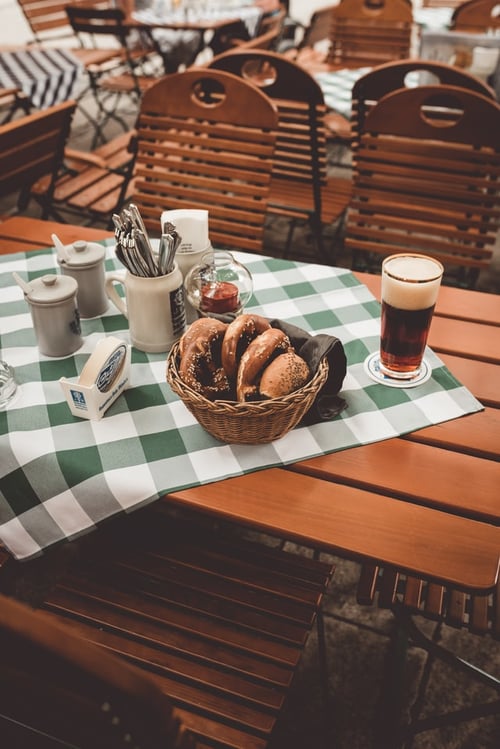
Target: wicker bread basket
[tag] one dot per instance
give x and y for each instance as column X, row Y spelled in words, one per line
column 248, row 423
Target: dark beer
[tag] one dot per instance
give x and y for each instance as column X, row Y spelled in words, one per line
column 403, row 337
column 410, row 285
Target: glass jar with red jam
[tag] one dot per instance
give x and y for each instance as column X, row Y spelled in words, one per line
column 219, row 286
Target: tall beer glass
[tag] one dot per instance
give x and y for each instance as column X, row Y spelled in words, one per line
column 410, row 285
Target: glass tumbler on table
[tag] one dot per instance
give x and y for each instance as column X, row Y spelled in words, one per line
column 410, row 286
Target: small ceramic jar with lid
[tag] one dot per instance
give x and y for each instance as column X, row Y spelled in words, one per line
column 56, row 320
column 84, row 261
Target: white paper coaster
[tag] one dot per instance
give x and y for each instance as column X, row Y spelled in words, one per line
column 372, row 368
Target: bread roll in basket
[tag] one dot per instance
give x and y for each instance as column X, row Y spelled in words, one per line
column 255, row 422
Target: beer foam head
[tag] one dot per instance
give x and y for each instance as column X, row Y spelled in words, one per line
column 411, row 281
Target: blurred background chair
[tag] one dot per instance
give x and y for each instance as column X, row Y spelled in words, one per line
column 38, row 166
column 476, row 16
column 301, row 189
column 90, row 185
column 426, row 179
column 48, row 22
column 216, row 621
column 383, row 79
column 60, row 690
column 140, row 63
column 205, row 139
column 369, row 32
column 32, row 146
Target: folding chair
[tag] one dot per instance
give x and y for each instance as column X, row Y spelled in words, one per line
column 301, row 190
column 364, row 33
column 426, row 180
column 216, row 621
column 413, row 600
column 57, row 689
column 383, row 79
column 30, row 147
column 90, row 185
column 205, row 139
column 140, row 63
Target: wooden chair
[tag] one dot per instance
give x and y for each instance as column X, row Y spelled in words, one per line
column 384, row 79
column 90, row 185
column 216, row 621
column 49, row 25
column 412, row 600
column 141, row 61
column 59, row 689
column 369, row 32
column 426, row 179
column 476, row 16
column 32, row 146
column 206, row 140
column 301, row 190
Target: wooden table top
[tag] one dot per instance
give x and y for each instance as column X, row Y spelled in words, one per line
column 427, row 503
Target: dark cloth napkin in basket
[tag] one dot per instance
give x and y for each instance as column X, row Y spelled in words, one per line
column 312, row 348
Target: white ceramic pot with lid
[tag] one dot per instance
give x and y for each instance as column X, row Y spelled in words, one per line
column 54, row 310
column 84, row 261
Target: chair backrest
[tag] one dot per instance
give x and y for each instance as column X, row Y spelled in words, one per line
column 370, row 32
column 90, row 21
column 48, row 20
column 383, row 79
column 206, row 140
column 58, row 689
column 301, row 143
column 426, row 177
column 33, row 146
column 477, row 16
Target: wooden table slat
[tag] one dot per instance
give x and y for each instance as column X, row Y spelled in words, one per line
column 355, row 522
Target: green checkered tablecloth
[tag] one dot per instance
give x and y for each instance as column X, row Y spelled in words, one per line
column 61, row 476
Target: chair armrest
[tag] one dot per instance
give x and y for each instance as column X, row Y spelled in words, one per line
column 84, row 158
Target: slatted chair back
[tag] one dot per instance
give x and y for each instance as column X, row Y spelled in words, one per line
column 206, row 140
column 49, row 25
column 369, row 32
column 33, row 146
column 300, row 188
column 60, row 690
column 476, row 16
column 48, row 20
column 91, row 23
column 383, row 79
column 426, row 178
column 218, row 622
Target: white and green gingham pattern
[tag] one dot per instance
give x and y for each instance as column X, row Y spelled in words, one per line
column 61, row 476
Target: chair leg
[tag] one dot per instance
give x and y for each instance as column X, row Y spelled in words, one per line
column 387, row 730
